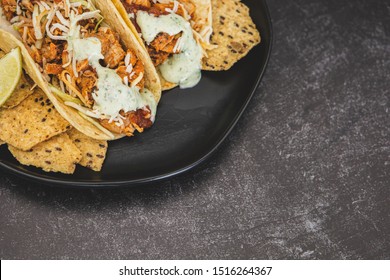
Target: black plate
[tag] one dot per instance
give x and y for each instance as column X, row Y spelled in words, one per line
column 190, row 126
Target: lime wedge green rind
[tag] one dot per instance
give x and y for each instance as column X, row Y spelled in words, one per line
column 10, row 74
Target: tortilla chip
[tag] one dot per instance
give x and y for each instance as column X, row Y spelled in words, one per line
column 33, row 121
column 58, row 154
column 234, row 33
column 1, row 142
column 93, row 151
column 21, row 92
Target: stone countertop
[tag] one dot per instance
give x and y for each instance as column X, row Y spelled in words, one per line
column 305, row 175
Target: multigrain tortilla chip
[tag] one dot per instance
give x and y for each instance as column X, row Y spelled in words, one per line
column 234, row 33
column 21, row 92
column 33, row 121
column 93, row 151
column 58, row 154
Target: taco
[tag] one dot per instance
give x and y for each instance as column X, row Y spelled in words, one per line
column 176, row 34
column 87, row 61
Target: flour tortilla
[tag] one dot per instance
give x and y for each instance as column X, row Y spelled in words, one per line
column 90, row 127
column 203, row 22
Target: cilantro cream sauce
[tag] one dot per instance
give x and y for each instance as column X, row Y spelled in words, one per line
column 183, row 68
column 112, row 95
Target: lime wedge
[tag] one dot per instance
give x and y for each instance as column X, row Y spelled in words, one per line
column 10, row 73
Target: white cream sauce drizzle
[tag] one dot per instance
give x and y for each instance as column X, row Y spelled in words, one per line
column 112, row 94
column 183, row 68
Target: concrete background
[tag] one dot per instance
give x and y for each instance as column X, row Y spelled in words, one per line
column 305, row 175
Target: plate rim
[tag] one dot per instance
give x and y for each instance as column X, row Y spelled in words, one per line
column 157, row 178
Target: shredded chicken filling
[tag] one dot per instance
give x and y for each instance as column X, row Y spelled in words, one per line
column 44, row 25
column 164, row 45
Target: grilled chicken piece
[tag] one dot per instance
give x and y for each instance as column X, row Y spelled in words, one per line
column 82, row 65
column 157, row 9
column 162, row 47
column 143, row 3
column 53, row 69
column 111, row 49
column 50, row 52
column 157, row 57
column 9, row 8
column 138, row 120
column 165, row 42
column 189, row 6
column 9, row 3
column 123, row 129
column 87, row 83
column 137, row 68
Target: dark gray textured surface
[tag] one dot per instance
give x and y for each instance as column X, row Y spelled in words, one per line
column 305, row 175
